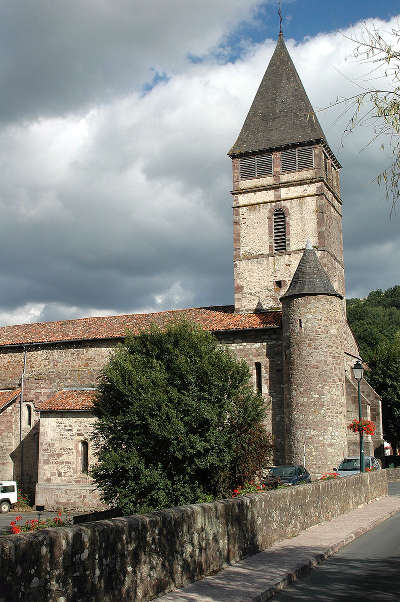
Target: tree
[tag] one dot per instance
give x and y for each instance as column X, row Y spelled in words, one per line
column 385, row 378
column 178, row 421
column 375, row 322
column 379, row 106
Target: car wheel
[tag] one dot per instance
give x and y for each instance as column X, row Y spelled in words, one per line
column 4, row 507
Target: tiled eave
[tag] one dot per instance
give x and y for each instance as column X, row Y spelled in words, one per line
column 214, row 319
column 7, row 397
column 67, row 400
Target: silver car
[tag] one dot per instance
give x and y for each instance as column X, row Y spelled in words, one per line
column 351, row 465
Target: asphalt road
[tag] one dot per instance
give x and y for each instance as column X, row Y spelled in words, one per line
column 367, row 569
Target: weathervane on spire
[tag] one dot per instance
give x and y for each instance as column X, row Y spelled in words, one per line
column 280, row 18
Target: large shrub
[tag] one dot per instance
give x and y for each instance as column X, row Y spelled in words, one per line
column 178, row 421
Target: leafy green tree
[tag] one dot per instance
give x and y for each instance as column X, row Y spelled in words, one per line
column 385, row 378
column 375, row 322
column 178, row 421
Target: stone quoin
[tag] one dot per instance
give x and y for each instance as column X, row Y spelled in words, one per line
column 288, row 321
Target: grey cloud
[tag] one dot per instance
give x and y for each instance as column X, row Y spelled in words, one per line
column 58, row 57
column 127, row 208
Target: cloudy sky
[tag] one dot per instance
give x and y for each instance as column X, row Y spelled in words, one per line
column 115, row 120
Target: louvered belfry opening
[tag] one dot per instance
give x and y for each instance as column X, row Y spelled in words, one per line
column 279, row 231
column 256, row 166
column 296, row 159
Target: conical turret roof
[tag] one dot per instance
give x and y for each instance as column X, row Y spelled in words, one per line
column 310, row 278
column 281, row 113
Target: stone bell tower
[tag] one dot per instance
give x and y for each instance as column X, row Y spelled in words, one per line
column 286, row 190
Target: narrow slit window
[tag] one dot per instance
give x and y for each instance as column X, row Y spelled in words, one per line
column 29, row 415
column 326, row 164
column 258, row 377
column 279, row 231
column 300, row 323
column 84, row 457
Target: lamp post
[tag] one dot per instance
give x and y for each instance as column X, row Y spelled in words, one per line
column 358, row 372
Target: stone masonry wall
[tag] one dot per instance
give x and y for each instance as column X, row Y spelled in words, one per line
column 61, row 482
column 8, row 438
column 142, row 556
column 49, row 368
column 311, row 202
column 17, row 456
column 315, row 402
column 55, row 471
column 264, row 347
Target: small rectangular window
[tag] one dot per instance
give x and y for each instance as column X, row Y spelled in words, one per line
column 258, row 377
column 247, row 168
column 258, row 166
column 296, row 159
column 264, row 165
column 289, row 160
column 305, row 158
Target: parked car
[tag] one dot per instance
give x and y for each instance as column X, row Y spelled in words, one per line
column 8, row 495
column 351, row 465
column 290, row 474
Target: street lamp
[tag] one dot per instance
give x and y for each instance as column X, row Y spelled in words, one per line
column 358, row 372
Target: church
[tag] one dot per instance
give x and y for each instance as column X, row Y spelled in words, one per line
column 288, row 321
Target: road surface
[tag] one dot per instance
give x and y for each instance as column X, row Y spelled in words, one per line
column 367, row 569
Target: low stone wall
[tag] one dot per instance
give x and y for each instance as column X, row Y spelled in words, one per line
column 140, row 556
column 392, row 474
column 68, row 496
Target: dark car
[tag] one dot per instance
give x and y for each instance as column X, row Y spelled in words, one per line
column 291, row 474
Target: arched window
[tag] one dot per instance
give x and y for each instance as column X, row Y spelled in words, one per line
column 84, row 457
column 279, row 231
column 29, row 415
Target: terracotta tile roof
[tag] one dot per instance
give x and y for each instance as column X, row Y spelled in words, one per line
column 215, row 319
column 7, row 396
column 68, row 400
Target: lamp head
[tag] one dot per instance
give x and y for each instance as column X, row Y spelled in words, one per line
column 358, row 370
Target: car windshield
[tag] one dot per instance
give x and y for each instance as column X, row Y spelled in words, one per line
column 7, row 488
column 350, row 464
column 283, row 471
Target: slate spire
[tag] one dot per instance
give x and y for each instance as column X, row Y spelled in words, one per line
column 281, row 113
column 310, row 278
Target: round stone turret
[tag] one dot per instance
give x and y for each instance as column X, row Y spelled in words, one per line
column 313, row 359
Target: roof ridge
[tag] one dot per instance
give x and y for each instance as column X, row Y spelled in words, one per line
column 212, row 318
column 143, row 313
